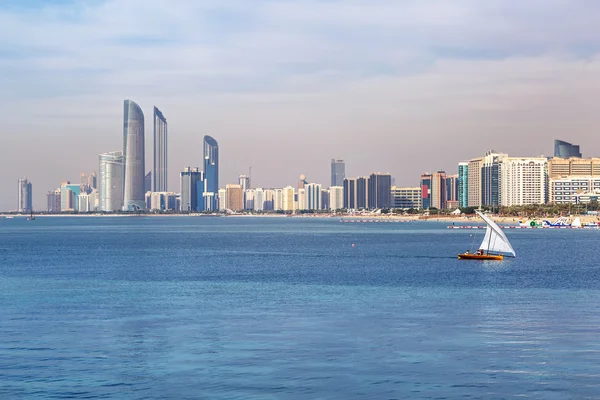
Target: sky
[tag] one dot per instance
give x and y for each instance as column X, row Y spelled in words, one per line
column 399, row 86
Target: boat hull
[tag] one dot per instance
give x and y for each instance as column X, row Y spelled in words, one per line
column 483, row 257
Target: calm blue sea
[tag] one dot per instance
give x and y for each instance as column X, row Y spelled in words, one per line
column 287, row 308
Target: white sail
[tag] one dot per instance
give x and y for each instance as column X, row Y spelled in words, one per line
column 576, row 223
column 495, row 241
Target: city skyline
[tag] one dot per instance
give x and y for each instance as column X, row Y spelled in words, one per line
column 489, row 73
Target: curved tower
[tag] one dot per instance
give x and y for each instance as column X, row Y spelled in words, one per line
column 133, row 157
column 111, row 181
column 211, row 172
column 566, row 150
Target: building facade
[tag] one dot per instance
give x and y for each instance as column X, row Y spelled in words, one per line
column 211, row 172
column 235, row 197
column 561, row 167
column 380, row 191
column 192, row 189
column 53, row 201
column 159, row 171
column 439, row 192
column 463, row 184
column 566, row 150
column 426, row 191
column 490, row 179
column 574, row 189
column 406, row 198
column 474, row 178
column 336, row 198
column 25, row 196
column 313, row 196
column 134, row 157
column 111, row 181
column 338, row 172
column 524, row 181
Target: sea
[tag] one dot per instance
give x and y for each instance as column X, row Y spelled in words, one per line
column 293, row 308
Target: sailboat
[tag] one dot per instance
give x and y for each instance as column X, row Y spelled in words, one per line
column 31, row 216
column 495, row 244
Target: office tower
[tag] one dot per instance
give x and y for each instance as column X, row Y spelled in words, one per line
column 490, row 178
column 325, row 199
column 192, row 189
column 211, row 171
column 235, row 197
column 362, row 194
column 160, row 152
column 338, row 172
column 406, row 198
column 53, row 201
column 336, row 198
column 222, row 199
column 313, row 196
column 380, row 190
column 474, row 186
column 268, row 199
column 83, row 182
column 111, row 181
column 148, row 182
column 452, row 188
column 524, row 181
column 463, row 184
column 439, row 193
column 24, row 196
column 561, row 167
column 244, row 182
column 133, row 157
column 93, row 181
column 86, row 202
column 566, row 150
column 574, row 190
column 69, row 196
column 287, row 199
column 249, row 199
column 426, row 190
column 278, row 200
column 350, row 193
column 259, row 199
column 302, row 200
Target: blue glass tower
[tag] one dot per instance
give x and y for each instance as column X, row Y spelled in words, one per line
column 211, row 172
column 566, row 150
column 134, row 161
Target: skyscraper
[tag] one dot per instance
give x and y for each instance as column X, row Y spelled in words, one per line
column 338, row 172
column 53, row 200
column 524, row 181
column 565, row 149
column 111, row 181
column 452, row 188
column 426, row 191
column 490, row 178
column 439, row 194
column 336, row 198
column 463, row 184
column 235, row 197
column 192, row 189
column 134, row 160
column 380, row 191
column 474, row 186
column 160, row 152
column 313, row 196
column 211, row 172
column 349, row 186
column 25, row 196
column 93, row 181
column 148, row 182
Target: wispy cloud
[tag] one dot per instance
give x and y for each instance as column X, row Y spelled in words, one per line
column 338, row 73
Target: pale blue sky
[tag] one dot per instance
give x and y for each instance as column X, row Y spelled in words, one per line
column 389, row 85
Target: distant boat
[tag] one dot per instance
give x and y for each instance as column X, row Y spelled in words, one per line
column 31, row 216
column 495, row 244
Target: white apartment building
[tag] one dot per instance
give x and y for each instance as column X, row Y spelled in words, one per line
column 336, row 198
column 574, row 189
column 523, row 181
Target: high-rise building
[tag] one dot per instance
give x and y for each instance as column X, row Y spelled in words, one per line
column 302, row 181
column 438, row 190
column 111, row 181
column 25, row 195
column 192, row 189
column 561, row 167
column 160, row 152
column 426, row 181
column 244, row 182
column 249, row 195
column 259, row 199
column 53, row 201
column 566, row 150
column 222, row 199
column 211, row 172
column 302, row 200
column 452, row 188
column 350, row 193
column 69, row 196
column 278, row 200
column 474, row 188
column 287, row 199
column 380, row 191
column 235, row 197
column 134, row 157
column 406, row 198
column 338, row 172
column 524, row 181
column 336, row 198
column 313, row 196
column 93, row 181
column 148, row 182
column 490, row 179
column 83, row 182
column 269, row 200
column 463, row 184
column 362, row 193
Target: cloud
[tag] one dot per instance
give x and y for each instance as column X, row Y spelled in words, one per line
column 403, row 86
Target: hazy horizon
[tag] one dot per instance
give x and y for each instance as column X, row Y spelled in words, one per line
column 284, row 86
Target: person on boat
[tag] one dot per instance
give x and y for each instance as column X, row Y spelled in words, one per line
column 480, row 251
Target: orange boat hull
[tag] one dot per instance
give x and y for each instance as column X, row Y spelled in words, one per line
column 480, row 257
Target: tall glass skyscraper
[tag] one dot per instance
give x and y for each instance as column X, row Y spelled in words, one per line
column 565, row 149
column 211, row 172
column 463, row 184
column 134, row 161
column 380, row 191
column 338, row 172
column 160, row 152
column 111, row 181
column 25, row 196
